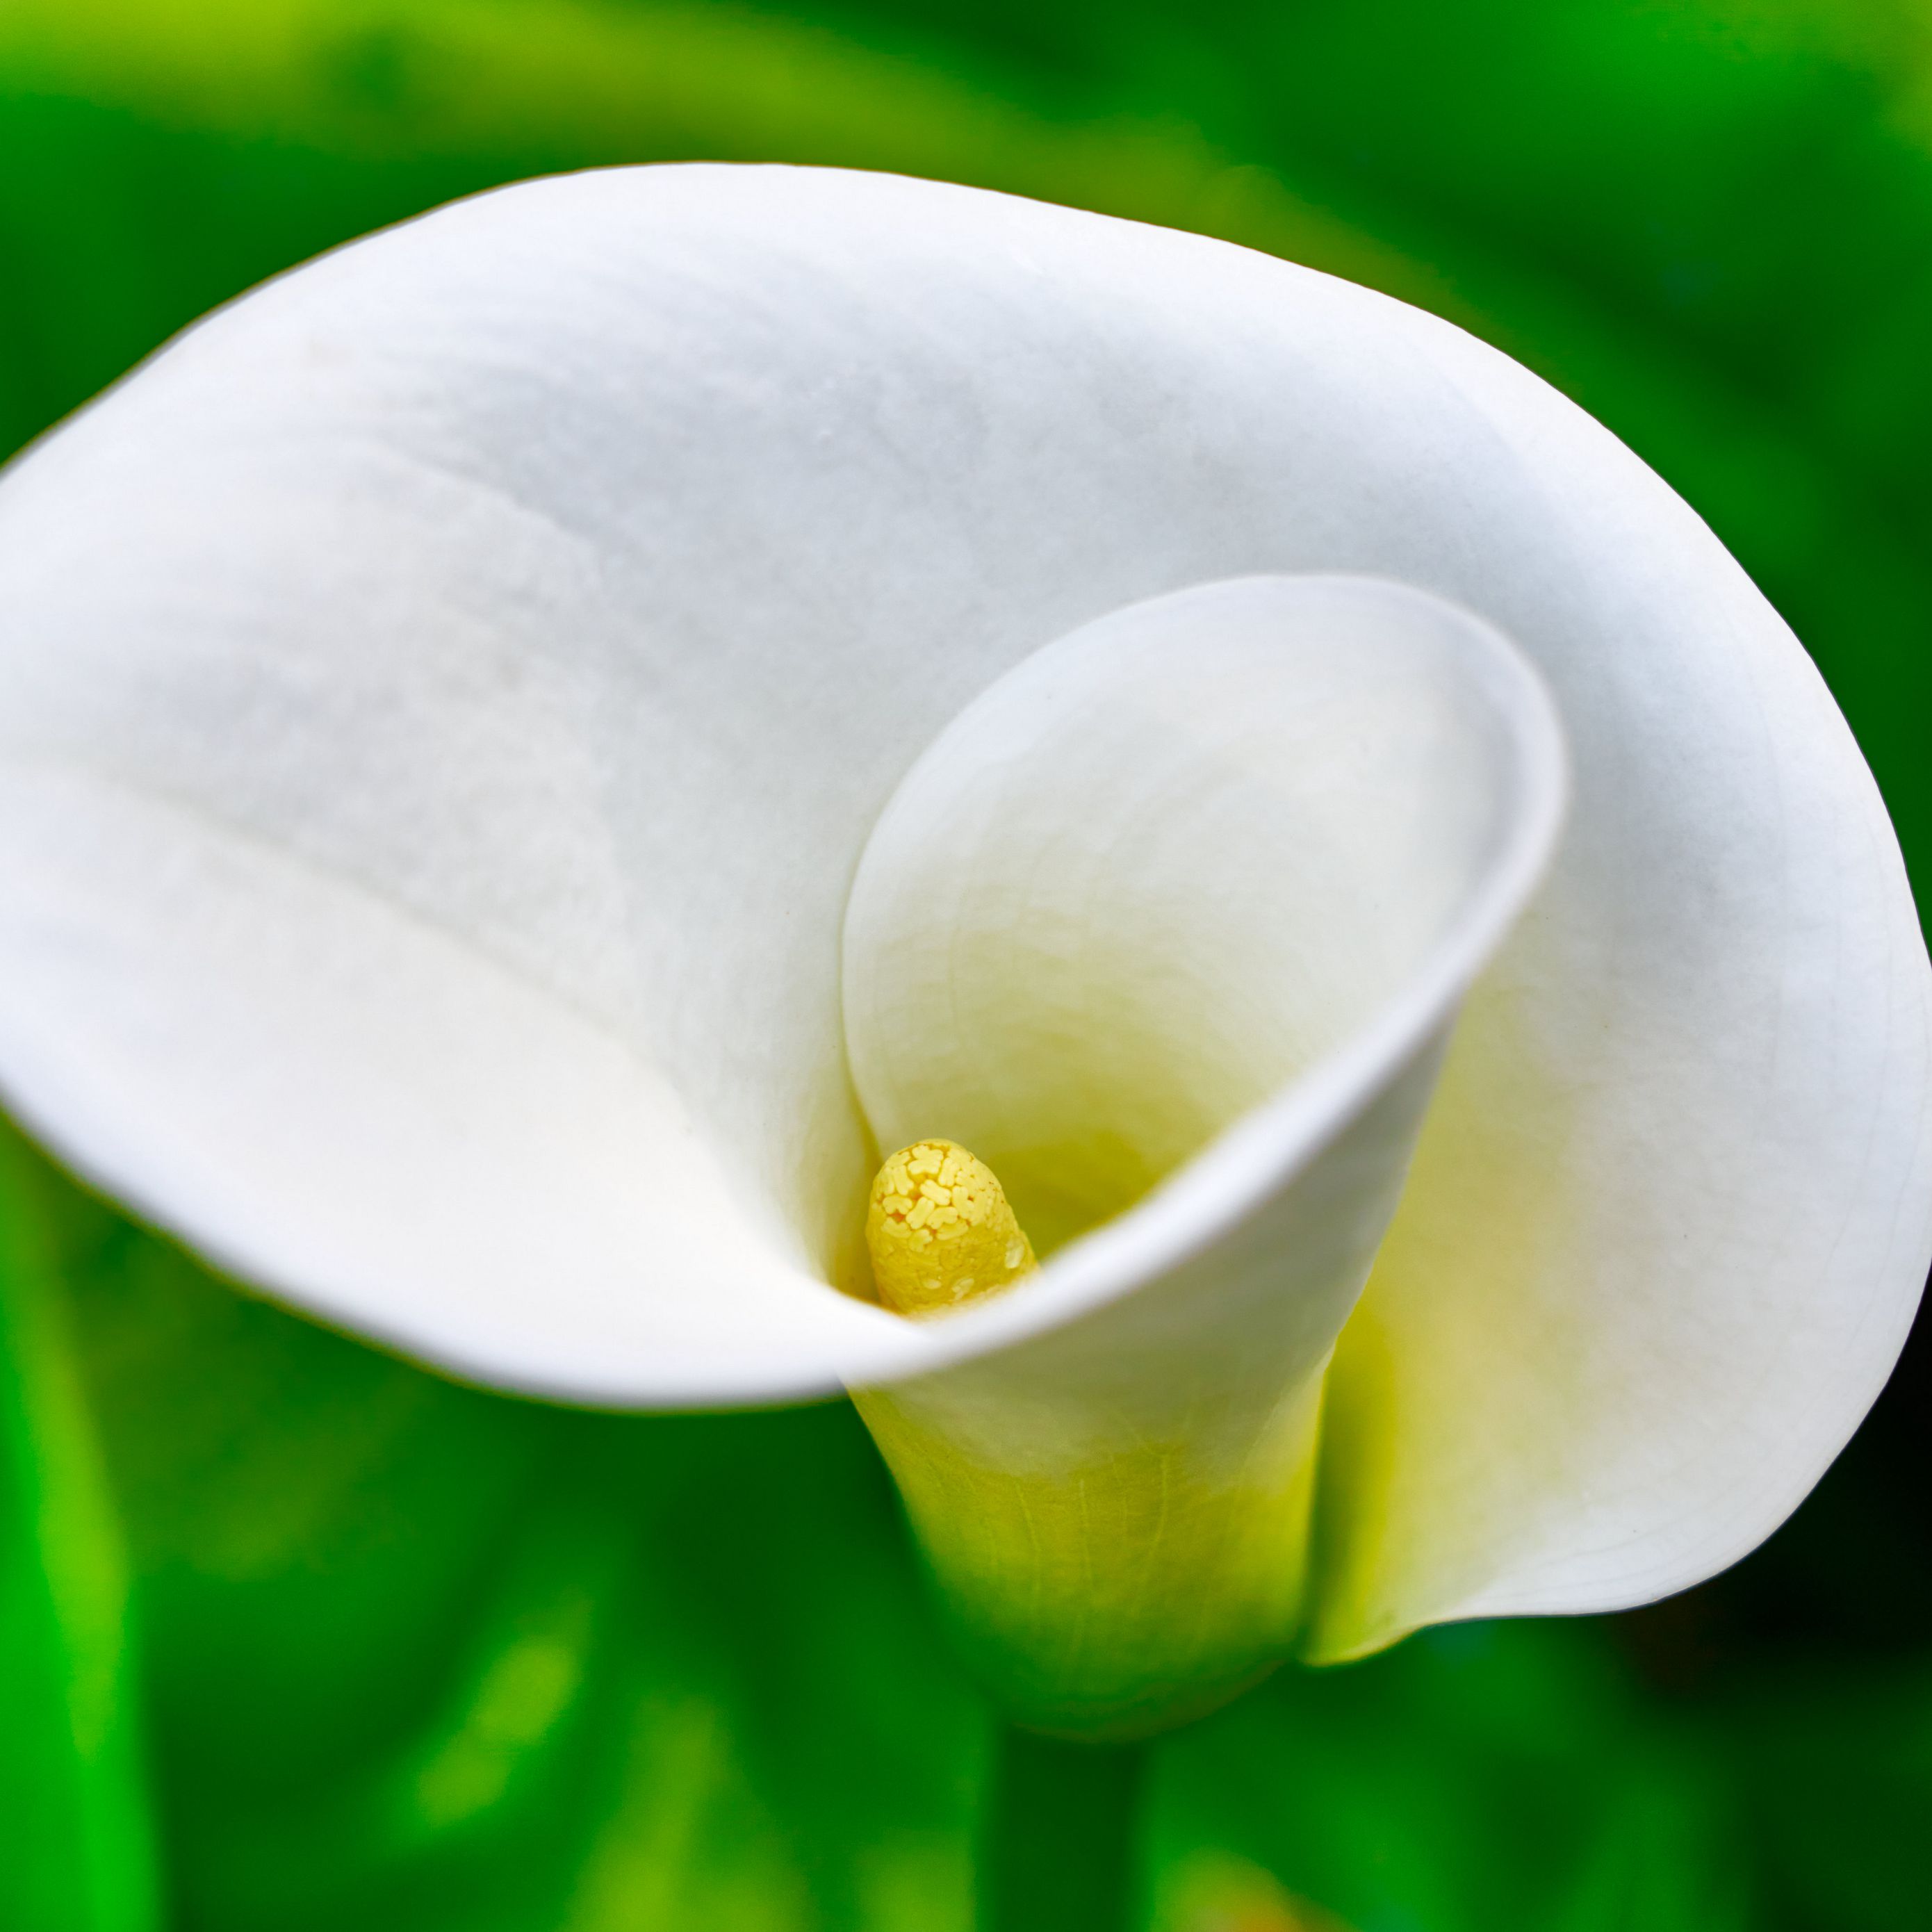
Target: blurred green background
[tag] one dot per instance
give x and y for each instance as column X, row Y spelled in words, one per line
column 294, row 1637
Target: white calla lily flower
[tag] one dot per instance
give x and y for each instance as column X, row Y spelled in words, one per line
column 536, row 747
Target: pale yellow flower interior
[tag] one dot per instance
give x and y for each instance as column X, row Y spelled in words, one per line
column 1137, row 890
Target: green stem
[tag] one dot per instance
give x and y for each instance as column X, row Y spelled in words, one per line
column 1058, row 1840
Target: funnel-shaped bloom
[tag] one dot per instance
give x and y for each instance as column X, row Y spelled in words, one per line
column 532, row 749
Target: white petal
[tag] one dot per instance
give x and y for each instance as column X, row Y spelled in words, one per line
column 1228, row 857
column 576, row 572
column 342, row 1101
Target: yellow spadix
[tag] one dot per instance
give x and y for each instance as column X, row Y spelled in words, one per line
column 941, row 1232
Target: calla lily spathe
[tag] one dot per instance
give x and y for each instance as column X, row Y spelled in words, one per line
column 457, row 704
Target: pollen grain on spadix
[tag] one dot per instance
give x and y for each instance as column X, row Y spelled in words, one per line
column 941, row 1232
